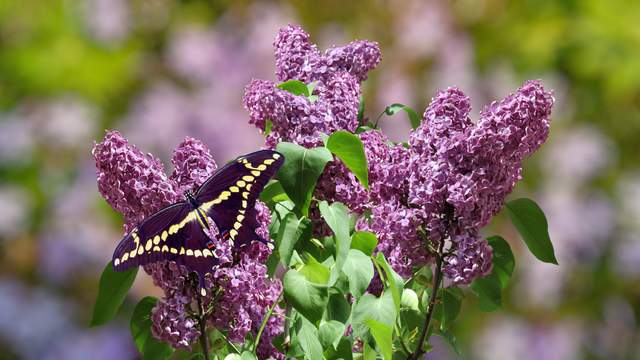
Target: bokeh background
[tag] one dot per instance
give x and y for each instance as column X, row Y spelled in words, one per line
column 159, row 70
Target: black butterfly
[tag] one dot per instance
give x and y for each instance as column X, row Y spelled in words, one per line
column 176, row 232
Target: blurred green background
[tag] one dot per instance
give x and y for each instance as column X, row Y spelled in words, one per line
column 159, row 70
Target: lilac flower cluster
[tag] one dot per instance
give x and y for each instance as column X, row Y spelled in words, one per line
column 461, row 172
column 135, row 185
column 337, row 74
column 449, row 182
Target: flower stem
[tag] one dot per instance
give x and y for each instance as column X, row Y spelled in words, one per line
column 264, row 323
column 202, row 320
column 432, row 302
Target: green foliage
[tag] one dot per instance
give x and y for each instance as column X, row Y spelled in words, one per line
column 308, row 298
column 112, row 291
column 147, row 345
column 381, row 309
column 300, row 171
column 295, row 87
column 364, row 241
column 359, row 271
column 489, row 288
column 336, row 216
column 414, row 118
column 348, row 148
column 531, row 223
column 383, row 335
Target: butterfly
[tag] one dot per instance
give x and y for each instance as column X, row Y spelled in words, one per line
column 176, row 232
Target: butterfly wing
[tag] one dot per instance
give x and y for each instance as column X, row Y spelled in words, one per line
column 158, row 237
column 229, row 196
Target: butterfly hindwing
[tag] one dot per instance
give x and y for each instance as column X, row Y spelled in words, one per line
column 229, row 196
column 158, row 237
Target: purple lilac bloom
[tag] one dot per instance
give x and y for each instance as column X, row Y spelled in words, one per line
column 337, row 73
column 135, row 185
column 297, row 58
column 461, row 172
column 295, row 118
column 387, row 171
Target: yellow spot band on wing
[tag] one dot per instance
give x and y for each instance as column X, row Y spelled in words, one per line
column 269, row 161
column 248, row 178
column 233, row 234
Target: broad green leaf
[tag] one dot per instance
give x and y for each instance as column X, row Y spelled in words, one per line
column 503, row 260
column 489, row 291
column 307, row 298
column 307, row 336
column 330, row 333
column 342, row 352
column 531, row 223
column 383, row 335
column 246, row 355
column 273, row 193
column 364, row 241
column 348, row 148
column 338, row 308
column 295, row 87
column 336, row 216
column 359, row 270
column 410, row 300
column 369, row 307
column 368, row 353
column 414, row 118
column 147, row 345
column 112, row 291
column 291, row 231
column 395, row 281
column 315, row 271
column 300, row 171
column 451, row 305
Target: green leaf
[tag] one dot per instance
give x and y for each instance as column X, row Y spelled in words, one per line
column 147, row 345
column 112, row 291
column 503, row 259
column 338, row 308
column 383, row 335
column 315, row 271
column 342, row 352
column 336, row 216
column 410, row 300
column 273, row 193
column 246, row 355
column 490, row 287
column 369, row 307
column 291, row 230
column 295, row 87
column 348, row 148
column 531, row 223
column 359, row 271
column 307, row 298
column 414, row 118
column 364, row 241
column 368, row 353
column 488, row 290
column 307, row 336
column 330, row 333
column 394, row 281
column 451, row 305
column 300, row 171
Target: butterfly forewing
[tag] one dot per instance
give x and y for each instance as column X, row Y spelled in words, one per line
column 158, row 237
column 229, row 196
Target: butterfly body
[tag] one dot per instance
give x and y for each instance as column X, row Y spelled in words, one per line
column 178, row 232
